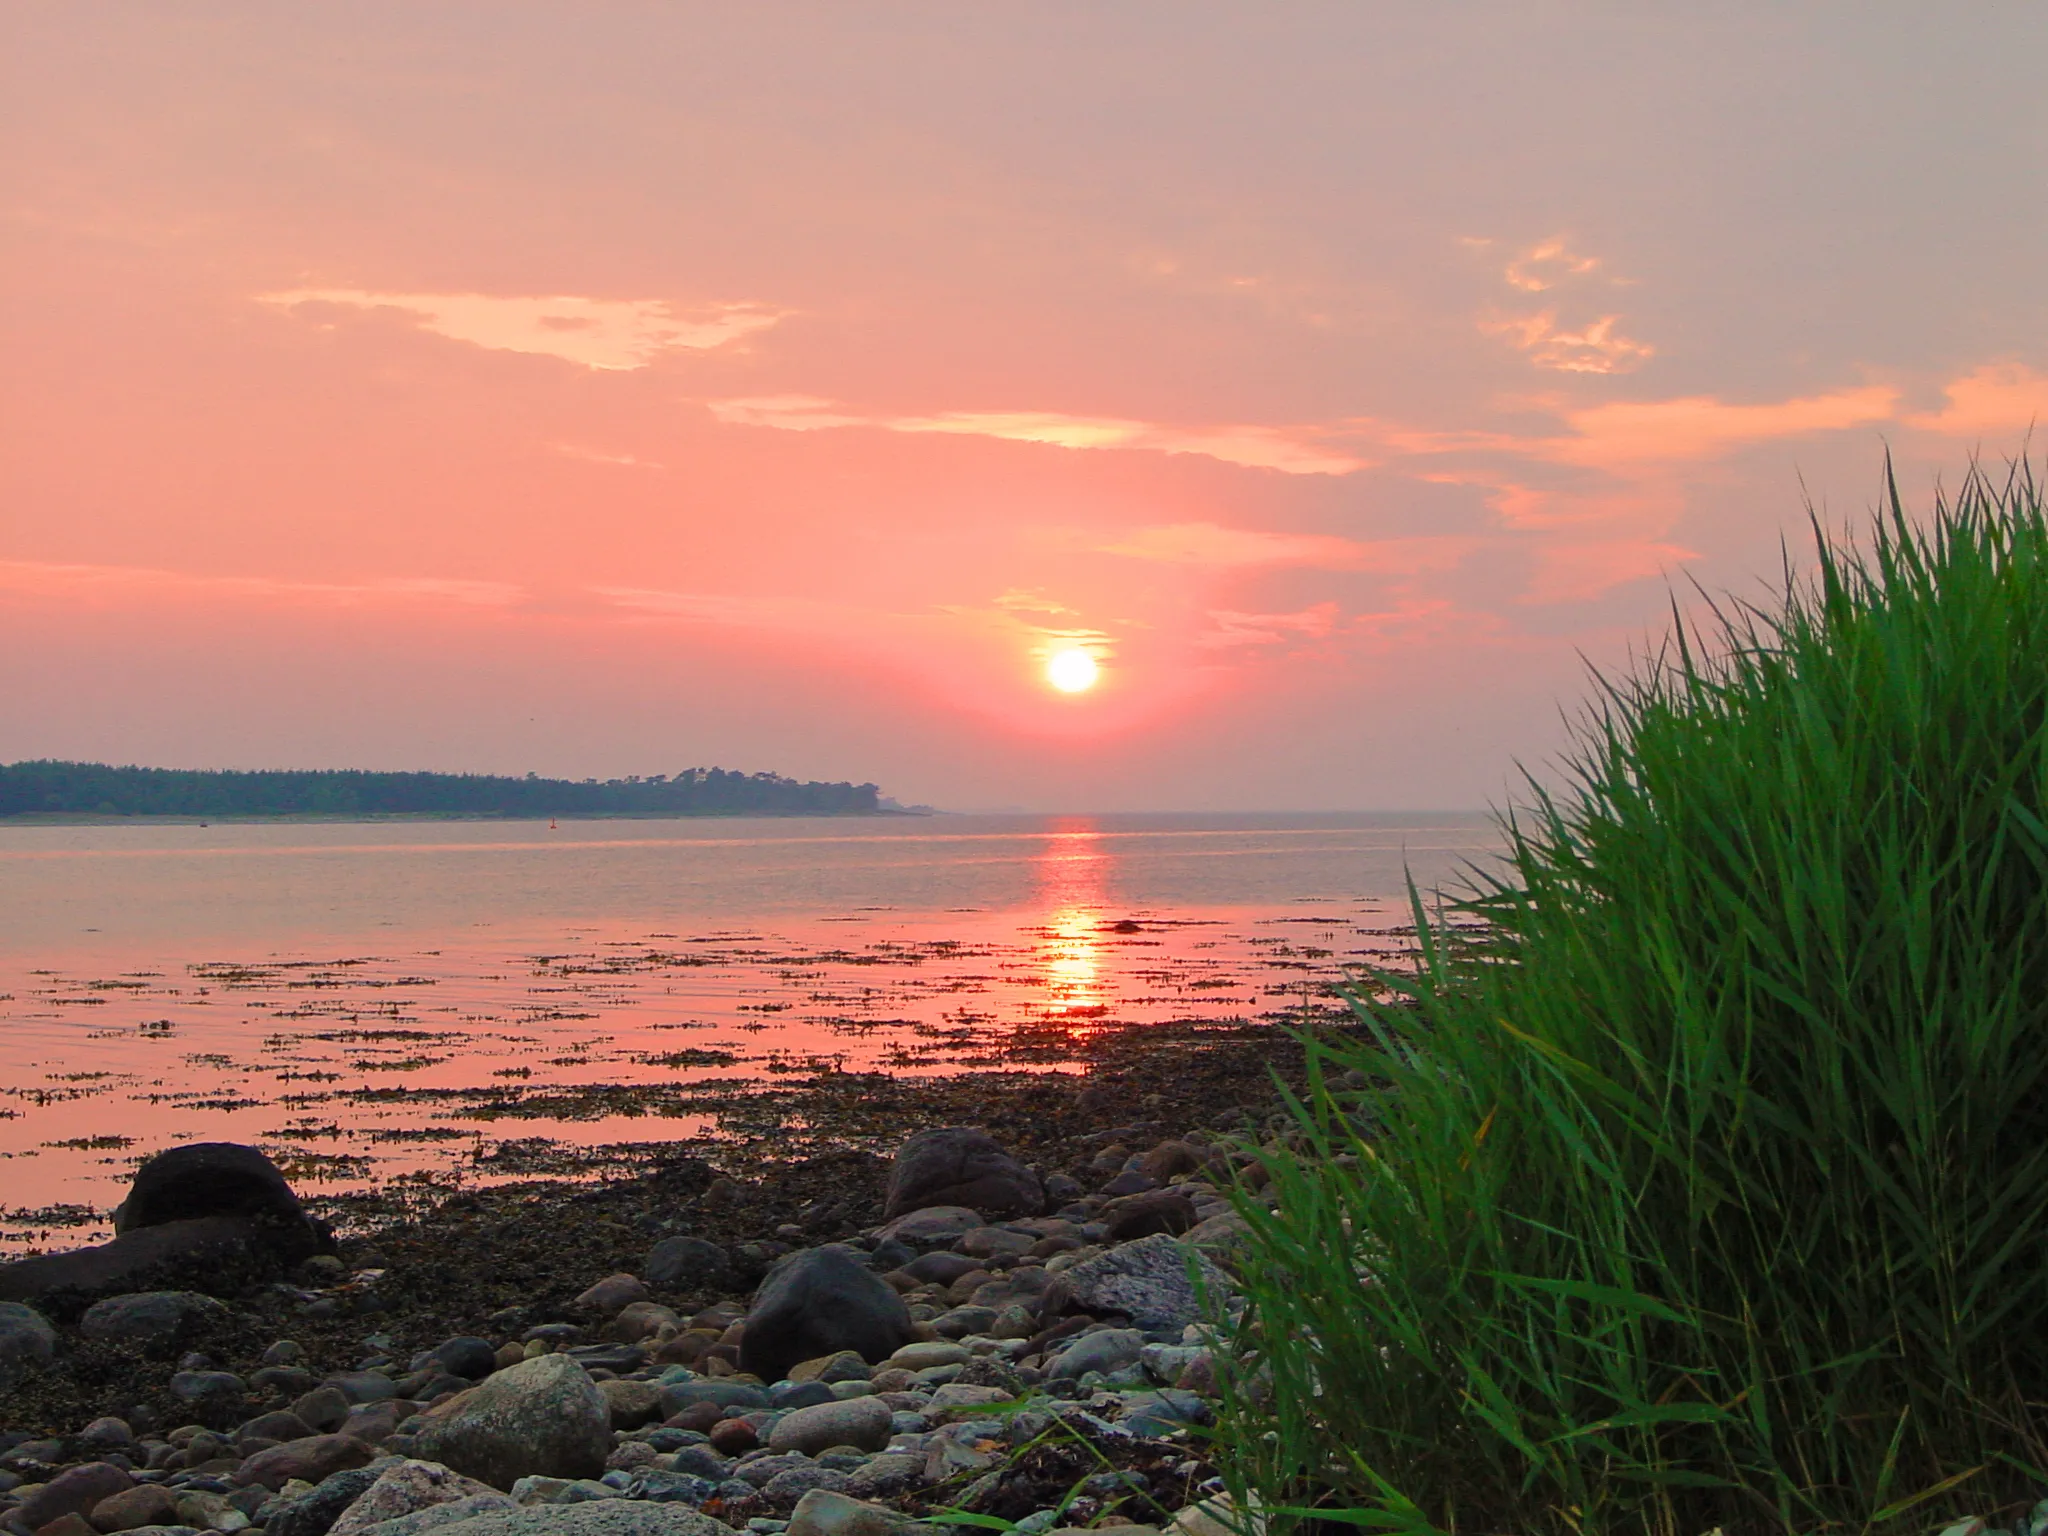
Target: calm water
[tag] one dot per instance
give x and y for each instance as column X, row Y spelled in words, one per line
column 431, row 998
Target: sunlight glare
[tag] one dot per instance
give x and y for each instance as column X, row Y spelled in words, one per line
column 1071, row 671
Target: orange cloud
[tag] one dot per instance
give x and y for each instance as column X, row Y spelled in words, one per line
column 1635, row 432
column 1547, row 263
column 1997, row 399
column 606, row 334
column 1594, row 348
column 1291, row 451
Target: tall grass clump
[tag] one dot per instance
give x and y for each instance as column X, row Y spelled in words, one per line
column 1710, row 1189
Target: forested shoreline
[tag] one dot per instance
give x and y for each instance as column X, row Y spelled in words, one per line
column 47, row 787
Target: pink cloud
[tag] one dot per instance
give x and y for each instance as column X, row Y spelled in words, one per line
column 1995, row 400
column 605, row 334
column 1628, row 433
column 1596, row 347
column 1289, row 450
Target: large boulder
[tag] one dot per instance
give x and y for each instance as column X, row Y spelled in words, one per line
column 958, row 1165
column 26, row 1341
column 315, row 1459
column 224, row 1253
column 599, row 1517
column 214, row 1216
column 688, row 1264
column 208, row 1178
column 819, row 1301
column 1158, row 1283
column 542, row 1417
column 151, row 1317
column 314, row 1512
column 74, row 1491
column 406, row 1487
column 861, row 1422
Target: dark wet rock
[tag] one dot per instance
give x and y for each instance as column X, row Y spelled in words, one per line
column 1063, row 1189
column 995, row 1242
column 688, row 1264
column 785, row 1488
column 71, row 1492
column 734, row 1437
column 1105, row 1350
column 961, row 1321
column 958, row 1165
column 1150, row 1281
column 363, row 1386
column 670, row 1487
column 1130, row 1182
column 213, row 1398
column 678, row 1396
column 888, row 1254
column 407, row 1487
column 639, row 1321
column 631, row 1403
column 800, row 1394
column 610, row 1357
column 324, row 1408
column 435, row 1515
column 218, row 1252
column 941, row 1268
column 314, row 1513
column 291, row 1380
column 936, row 1226
column 311, row 1460
column 1220, row 1236
column 219, row 1179
column 886, row 1476
column 27, row 1341
column 146, row 1504
column 858, row 1421
column 151, row 1317
column 701, row 1461
column 1159, row 1210
column 819, row 1301
column 611, row 1293
column 107, row 1434
column 1170, row 1158
column 544, row 1416
column 280, row 1426
column 467, row 1356
column 216, row 1216
column 600, row 1517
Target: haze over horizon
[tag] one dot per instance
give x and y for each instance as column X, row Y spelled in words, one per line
column 612, row 389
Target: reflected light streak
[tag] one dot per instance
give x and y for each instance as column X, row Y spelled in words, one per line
column 1072, row 868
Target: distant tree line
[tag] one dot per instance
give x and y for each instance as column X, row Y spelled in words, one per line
column 99, row 789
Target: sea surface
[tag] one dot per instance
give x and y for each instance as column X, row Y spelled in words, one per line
column 441, row 1000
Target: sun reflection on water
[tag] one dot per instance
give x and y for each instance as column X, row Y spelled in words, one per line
column 1072, row 870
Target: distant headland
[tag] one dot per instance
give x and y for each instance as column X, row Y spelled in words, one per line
column 46, row 788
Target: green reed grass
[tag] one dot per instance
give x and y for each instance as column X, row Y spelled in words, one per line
column 1711, row 1191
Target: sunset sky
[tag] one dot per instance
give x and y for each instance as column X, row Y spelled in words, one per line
column 609, row 388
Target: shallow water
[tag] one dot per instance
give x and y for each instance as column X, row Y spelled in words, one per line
column 390, row 999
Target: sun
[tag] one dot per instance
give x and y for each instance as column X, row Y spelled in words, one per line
column 1071, row 671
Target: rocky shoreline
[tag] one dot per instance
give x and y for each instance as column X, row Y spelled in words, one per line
column 1018, row 1326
